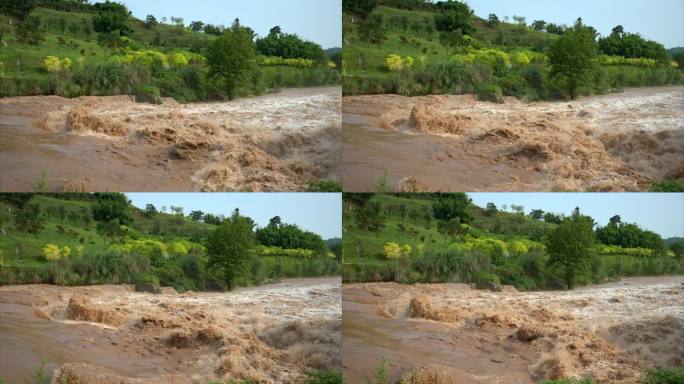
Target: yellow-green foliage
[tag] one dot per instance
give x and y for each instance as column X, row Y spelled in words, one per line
column 52, row 252
column 519, row 59
column 66, row 251
column 52, row 64
column 617, row 250
column 66, row 63
column 331, row 65
column 177, row 60
column 146, row 247
column 487, row 56
column 394, row 63
column 517, row 247
column 396, row 251
column 673, row 64
column 81, row 61
column 619, row 60
column 178, row 249
column 275, row 60
column 277, row 251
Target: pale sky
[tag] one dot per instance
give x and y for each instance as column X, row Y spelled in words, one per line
column 320, row 213
column 319, row 21
column 662, row 213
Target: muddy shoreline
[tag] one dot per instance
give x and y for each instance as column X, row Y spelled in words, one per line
column 609, row 332
column 275, row 142
column 272, row 333
column 614, row 142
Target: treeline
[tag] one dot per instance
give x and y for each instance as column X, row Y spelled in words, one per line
column 447, row 239
column 218, row 66
column 103, row 239
column 572, row 63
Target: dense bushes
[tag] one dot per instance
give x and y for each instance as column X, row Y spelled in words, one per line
column 528, row 82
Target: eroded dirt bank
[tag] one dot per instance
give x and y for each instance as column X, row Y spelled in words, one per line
column 451, row 334
column 270, row 334
column 276, row 142
column 615, row 142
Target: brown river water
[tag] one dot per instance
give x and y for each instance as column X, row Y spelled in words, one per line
column 449, row 333
column 614, row 142
column 275, row 142
column 269, row 334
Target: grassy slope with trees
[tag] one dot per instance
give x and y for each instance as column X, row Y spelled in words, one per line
column 410, row 238
column 72, row 48
column 80, row 239
column 414, row 47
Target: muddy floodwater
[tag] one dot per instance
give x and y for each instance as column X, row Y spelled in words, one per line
column 615, row 142
column 269, row 334
column 438, row 332
column 275, row 142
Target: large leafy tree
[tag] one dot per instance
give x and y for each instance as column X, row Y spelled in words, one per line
column 569, row 246
column 288, row 236
column 572, row 58
column 111, row 17
column 232, row 57
column 17, row 8
column 289, row 46
column 453, row 206
column 112, row 206
column 359, row 7
column 228, row 247
column 454, row 15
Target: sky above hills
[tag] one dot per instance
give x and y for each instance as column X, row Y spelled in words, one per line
column 662, row 213
column 320, row 213
column 319, row 21
column 659, row 20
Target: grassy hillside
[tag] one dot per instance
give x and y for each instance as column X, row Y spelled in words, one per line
column 428, row 65
column 97, row 69
column 495, row 247
column 166, row 249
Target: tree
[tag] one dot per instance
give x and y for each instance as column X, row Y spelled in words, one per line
column 453, row 205
column 111, row 17
column 289, row 46
column 196, row 216
column 370, row 217
column 569, row 246
column 177, row 21
column 17, row 8
column 371, row 30
column 536, row 214
column 151, row 21
column 359, row 7
column 232, row 58
column 491, row 209
column 110, row 229
column 454, row 15
column 28, row 219
column 111, row 206
column 571, row 58
column 538, row 25
column 618, row 30
column 493, row 20
column 519, row 19
column 196, row 26
column 228, row 247
column 30, row 31
column 150, row 210
column 451, row 39
column 679, row 58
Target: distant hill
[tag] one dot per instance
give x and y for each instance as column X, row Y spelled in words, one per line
column 675, row 50
column 673, row 240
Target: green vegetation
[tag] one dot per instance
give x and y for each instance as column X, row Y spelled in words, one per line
column 419, row 47
column 432, row 238
column 82, row 239
column 70, row 49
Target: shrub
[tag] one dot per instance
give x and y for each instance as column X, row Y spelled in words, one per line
column 146, row 282
column 51, row 252
column 487, row 280
column 332, row 376
column 394, row 63
column 52, row 64
column 490, row 92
